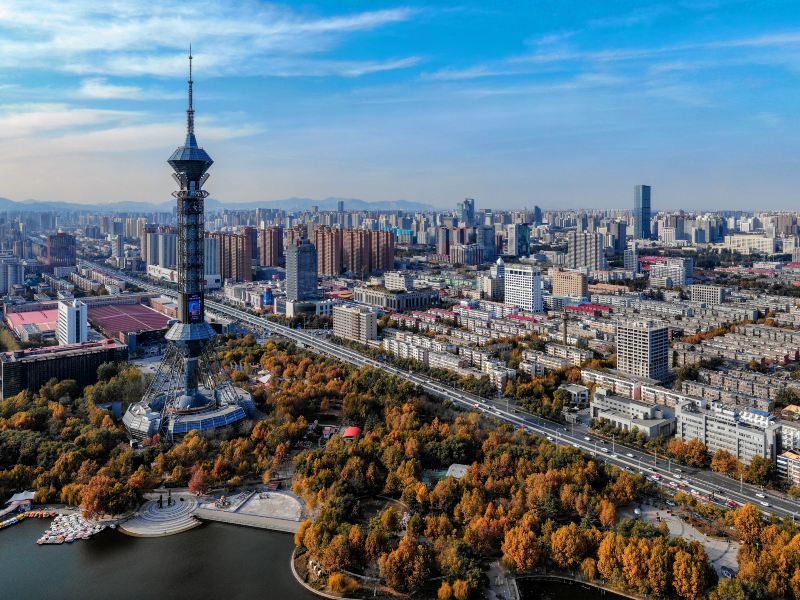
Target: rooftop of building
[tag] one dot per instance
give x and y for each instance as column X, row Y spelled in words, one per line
column 53, row 351
column 126, row 318
column 43, row 319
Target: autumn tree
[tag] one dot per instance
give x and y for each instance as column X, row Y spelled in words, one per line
column 567, row 545
column 688, row 576
column 748, row 523
column 200, row 481
column 724, row 462
column 105, row 496
column 520, row 549
column 408, row 567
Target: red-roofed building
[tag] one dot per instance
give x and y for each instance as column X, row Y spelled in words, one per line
column 351, row 433
column 590, row 309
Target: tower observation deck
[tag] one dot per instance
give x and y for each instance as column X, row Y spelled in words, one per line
column 190, row 389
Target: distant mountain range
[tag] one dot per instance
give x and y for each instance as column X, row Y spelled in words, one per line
column 213, row 204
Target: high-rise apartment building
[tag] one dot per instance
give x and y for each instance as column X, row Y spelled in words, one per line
column 641, row 212
column 643, row 349
column 586, row 251
column 61, row 249
column 356, row 323
column 568, row 283
column 631, row 258
column 466, row 254
column 356, row 251
column 72, row 324
column 328, row 242
column 301, row 271
column 523, row 287
column 211, row 256
column 235, row 256
column 443, row 241
column 270, row 246
column 382, row 245
column 12, row 272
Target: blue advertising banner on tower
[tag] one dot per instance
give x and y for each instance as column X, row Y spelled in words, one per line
column 194, row 308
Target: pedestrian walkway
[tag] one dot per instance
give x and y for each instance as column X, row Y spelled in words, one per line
column 154, row 521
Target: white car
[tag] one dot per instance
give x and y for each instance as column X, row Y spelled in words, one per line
column 760, row 495
column 549, row 438
column 587, row 438
column 629, row 455
column 604, row 449
column 764, row 503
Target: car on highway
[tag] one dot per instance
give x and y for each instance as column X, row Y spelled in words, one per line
column 731, row 503
column 760, row 495
column 587, row 438
column 604, row 449
column 629, row 455
column 764, row 503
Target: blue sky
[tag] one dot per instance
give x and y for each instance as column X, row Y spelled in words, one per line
column 554, row 102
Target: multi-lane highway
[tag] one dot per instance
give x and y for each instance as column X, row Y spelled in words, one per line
column 701, row 483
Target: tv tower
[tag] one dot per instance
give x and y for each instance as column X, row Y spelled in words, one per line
column 190, row 389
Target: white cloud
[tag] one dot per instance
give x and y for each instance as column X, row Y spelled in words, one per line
column 26, row 120
column 101, row 89
column 129, row 37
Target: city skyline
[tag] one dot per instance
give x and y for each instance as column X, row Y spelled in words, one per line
column 558, row 106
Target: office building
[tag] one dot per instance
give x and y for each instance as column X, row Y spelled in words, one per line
column 643, row 349
column 72, row 324
column 585, row 250
column 61, row 250
column 653, row 420
column 395, row 301
column 641, row 212
column 301, row 271
column 523, row 287
column 518, row 239
column 356, row 323
column 487, row 242
column 466, row 211
column 568, row 283
column 29, row 370
column 709, row 294
column 721, row 428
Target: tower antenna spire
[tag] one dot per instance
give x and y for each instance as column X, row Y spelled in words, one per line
column 190, row 110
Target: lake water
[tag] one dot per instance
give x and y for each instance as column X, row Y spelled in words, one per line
column 214, row 561
column 530, row 589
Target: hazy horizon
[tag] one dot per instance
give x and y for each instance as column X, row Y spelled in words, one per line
column 556, row 104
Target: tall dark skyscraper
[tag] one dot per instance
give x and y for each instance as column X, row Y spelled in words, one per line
column 641, row 212
column 301, row 271
column 189, row 391
column 466, row 211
